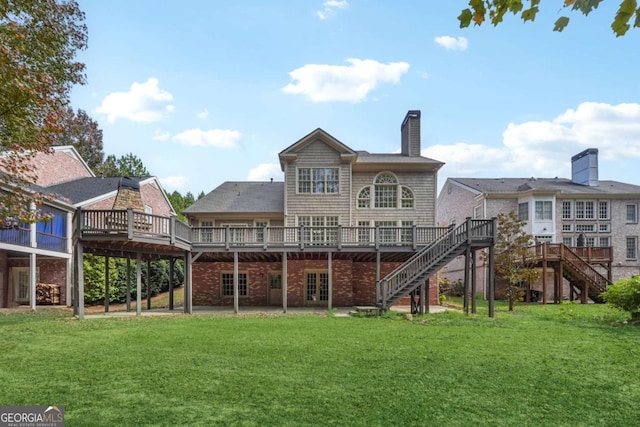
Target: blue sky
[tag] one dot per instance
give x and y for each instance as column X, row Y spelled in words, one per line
column 210, row 91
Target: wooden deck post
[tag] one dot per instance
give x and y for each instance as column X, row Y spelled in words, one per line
column 284, row 282
column 473, row 282
column 149, row 284
column 172, row 262
column 128, row 283
column 79, row 302
column 235, row 283
column 188, row 283
column 330, row 280
column 426, row 295
column 106, row 284
column 138, row 284
column 421, row 298
column 492, row 273
column 467, row 258
column 558, row 296
column 378, row 290
column 544, row 274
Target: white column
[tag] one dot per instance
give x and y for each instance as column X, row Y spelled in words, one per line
column 32, row 280
column 70, row 259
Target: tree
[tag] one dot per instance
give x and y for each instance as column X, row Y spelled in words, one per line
column 39, row 40
column 127, row 165
column 81, row 131
column 625, row 295
column 180, row 203
column 514, row 261
column 495, row 10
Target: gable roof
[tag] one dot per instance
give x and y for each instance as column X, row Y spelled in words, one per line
column 291, row 152
column 232, row 196
column 555, row 185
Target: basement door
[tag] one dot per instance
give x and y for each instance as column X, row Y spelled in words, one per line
column 317, row 288
column 275, row 288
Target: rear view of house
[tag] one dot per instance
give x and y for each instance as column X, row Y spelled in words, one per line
column 341, row 220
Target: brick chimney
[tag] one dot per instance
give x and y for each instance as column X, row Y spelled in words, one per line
column 128, row 195
column 410, row 131
column 584, row 168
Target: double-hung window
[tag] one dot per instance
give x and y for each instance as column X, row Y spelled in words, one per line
column 523, row 211
column 632, row 213
column 318, row 180
column 544, row 210
column 632, row 247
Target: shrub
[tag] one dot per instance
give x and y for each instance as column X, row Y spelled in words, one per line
column 625, row 294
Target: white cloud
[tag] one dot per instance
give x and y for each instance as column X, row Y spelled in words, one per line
column 221, row 138
column 160, row 135
column 329, row 8
column 544, row 148
column 266, row 171
column 347, row 83
column 144, row 102
column 452, row 43
column 203, row 114
column 176, row 181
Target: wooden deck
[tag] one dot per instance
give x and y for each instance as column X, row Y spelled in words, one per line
column 129, row 228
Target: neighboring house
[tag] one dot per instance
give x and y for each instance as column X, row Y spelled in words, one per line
column 37, row 253
column 341, row 220
column 41, row 253
column 581, row 210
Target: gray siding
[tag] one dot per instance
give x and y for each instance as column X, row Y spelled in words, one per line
column 317, row 154
column 424, row 191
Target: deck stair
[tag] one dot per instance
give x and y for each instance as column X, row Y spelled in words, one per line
column 430, row 259
column 575, row 269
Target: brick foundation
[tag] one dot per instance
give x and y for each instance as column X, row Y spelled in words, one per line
column 353, row 283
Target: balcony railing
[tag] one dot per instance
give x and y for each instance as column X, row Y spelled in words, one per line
column 22, row 237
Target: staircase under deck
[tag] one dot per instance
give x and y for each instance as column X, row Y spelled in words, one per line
column 409, row 278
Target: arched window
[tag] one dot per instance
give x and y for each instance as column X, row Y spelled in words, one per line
column 407, row 198
column 386, row 191
column 364, row 198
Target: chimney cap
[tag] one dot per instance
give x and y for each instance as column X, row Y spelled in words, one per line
column 584, row 153
column 411, row 114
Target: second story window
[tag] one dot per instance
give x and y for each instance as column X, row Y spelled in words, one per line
column 523, row 211
column 585, row 210
column 632, row 214
column 318, row 180
column 364, row 198
column 566, row 210
column 386, row 191
column 543, row 210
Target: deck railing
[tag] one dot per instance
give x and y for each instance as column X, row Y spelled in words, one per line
column 302, row 237
column 129, row 223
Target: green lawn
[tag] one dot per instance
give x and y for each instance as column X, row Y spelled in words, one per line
column 568, row 365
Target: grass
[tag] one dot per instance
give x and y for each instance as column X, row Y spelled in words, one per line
column 159, row 301
column 552, row 365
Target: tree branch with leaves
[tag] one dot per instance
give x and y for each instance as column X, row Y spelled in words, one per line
column 479, row 11
column 39, row 40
